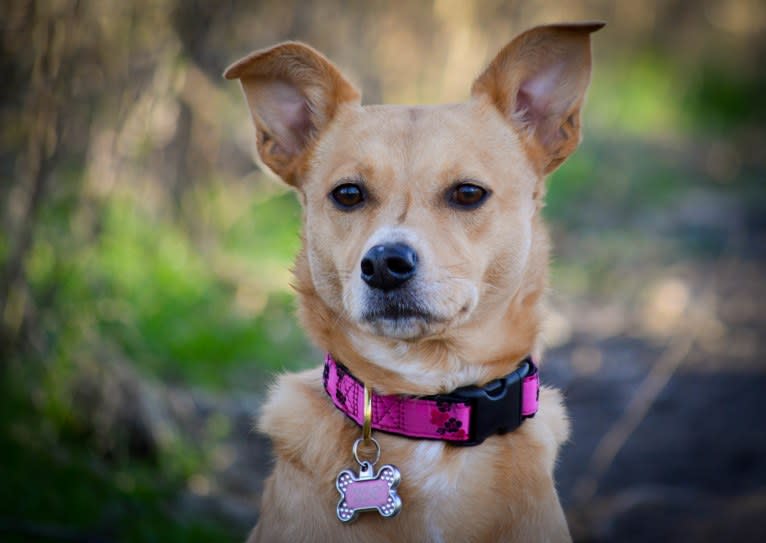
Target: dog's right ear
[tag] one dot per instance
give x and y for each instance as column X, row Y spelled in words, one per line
column 293, row 92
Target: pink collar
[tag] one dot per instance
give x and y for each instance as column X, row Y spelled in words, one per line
column 466, row 416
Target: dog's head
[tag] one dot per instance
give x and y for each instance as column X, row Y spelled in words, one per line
column 421, row 220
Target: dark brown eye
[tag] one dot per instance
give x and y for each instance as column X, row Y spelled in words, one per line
column 468, row 195
column 347, row 196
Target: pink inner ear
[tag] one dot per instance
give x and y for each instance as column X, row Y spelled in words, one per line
column 523, row 107
column 543, row 100
column 286, row 112
column 536, row 98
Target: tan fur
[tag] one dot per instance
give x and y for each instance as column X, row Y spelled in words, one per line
column 482, row 274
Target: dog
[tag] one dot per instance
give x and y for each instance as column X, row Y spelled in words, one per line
column 422, row 273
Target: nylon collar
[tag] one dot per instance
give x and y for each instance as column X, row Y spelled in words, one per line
column 465, row 416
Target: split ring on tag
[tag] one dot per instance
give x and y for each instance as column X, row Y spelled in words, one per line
column 355, row 450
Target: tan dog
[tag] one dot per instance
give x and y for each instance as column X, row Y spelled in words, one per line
column 453, row 196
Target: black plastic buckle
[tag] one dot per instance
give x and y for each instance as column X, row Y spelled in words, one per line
column 495, row 407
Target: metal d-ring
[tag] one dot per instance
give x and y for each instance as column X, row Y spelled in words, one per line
column 377, row 451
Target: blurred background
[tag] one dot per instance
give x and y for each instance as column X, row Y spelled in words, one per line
column 144, row 283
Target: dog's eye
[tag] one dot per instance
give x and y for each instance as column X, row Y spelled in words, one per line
column 347, row 196
column 468, row 195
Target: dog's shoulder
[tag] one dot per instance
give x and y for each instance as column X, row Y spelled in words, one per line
column 292, row 398
column 299, row 418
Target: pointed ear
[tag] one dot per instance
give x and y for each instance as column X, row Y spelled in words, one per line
column 538, row 82
column 293, row 92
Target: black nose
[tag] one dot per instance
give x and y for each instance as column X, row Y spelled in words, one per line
column 389, row 266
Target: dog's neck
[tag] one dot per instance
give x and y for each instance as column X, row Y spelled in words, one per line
column 472, row 354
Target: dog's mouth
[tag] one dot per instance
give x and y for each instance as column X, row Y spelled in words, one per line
column 398, row 314
column 395, row 306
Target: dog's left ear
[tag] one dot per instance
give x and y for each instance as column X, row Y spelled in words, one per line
column 538, row 82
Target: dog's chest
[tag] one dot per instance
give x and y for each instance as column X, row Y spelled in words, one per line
column 453, row 484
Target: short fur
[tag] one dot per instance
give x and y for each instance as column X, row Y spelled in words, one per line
column 481, row 277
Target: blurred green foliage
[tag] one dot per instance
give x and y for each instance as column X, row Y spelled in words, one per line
column 145, row 285
column 164, row 303
column 725, row 100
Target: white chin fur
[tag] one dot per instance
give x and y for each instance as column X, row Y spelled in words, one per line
column 450, row 306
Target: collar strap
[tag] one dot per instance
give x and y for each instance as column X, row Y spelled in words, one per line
column 466, row 416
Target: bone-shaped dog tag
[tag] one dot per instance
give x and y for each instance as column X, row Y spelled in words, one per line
column 368, row 491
